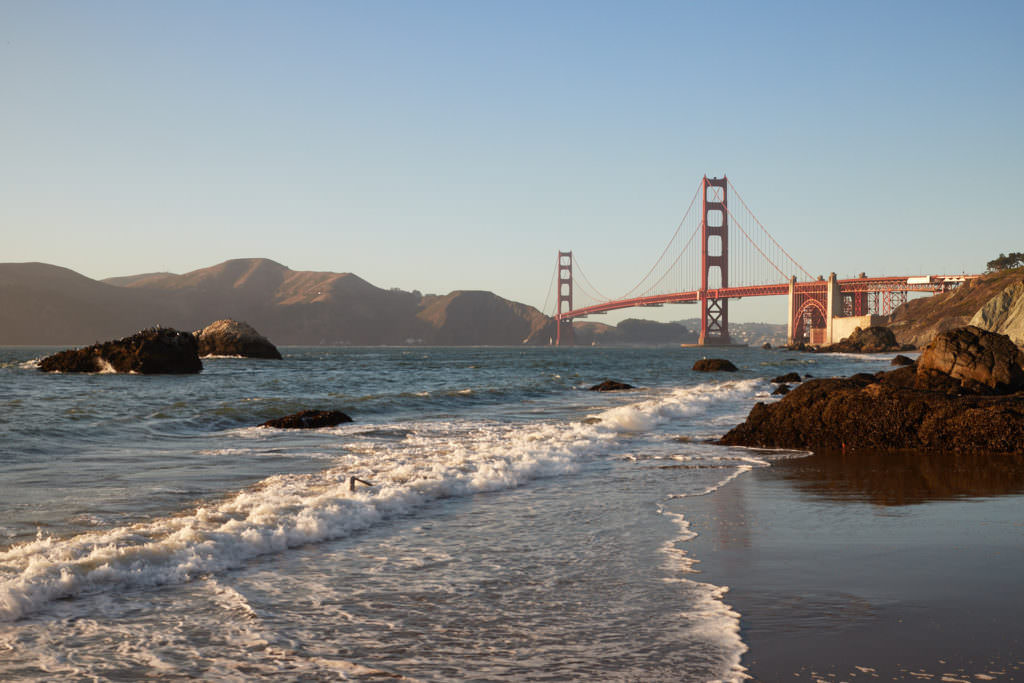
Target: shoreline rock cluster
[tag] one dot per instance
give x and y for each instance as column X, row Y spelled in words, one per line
column 164, row 350
column 964, row 394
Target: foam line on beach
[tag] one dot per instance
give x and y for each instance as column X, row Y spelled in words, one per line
column 711, row 620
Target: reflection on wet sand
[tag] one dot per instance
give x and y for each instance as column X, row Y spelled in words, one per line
column 903, row 478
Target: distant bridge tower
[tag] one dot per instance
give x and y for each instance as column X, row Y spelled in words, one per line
column 714, row 235
column 564, row 329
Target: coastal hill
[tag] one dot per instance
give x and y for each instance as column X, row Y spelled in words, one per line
column 919, row 320
column 49, row 305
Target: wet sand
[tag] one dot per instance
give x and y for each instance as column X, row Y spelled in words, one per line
column 871, row 567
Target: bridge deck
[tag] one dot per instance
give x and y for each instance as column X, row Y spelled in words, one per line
column 923, row 283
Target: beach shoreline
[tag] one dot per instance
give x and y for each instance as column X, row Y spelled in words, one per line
column 871, row 566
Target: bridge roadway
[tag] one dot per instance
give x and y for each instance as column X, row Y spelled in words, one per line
column 859, row 285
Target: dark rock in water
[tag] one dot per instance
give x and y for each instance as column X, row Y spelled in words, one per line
column 234, row 338
column 714, row 365
column 902, row 360
column 975, row 357
column 781, row 390
column 948, row 406
column 870, row 340
column 611, row 385
column 788, row 377
column 158, row 350
column 766, row 346
column 309, row 419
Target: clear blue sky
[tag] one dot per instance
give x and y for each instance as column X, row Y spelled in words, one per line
column 458, row 145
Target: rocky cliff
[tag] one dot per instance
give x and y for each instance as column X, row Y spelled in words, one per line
column 1004, row 313
column 918, row 321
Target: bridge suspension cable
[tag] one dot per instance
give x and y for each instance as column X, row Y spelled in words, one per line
column 551, row 290
column 587, row 289
column 665, row 271
column 778, row 247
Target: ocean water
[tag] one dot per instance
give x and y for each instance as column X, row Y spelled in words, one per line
column 518, row 526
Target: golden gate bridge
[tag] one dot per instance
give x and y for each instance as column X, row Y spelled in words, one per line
column 721, row 251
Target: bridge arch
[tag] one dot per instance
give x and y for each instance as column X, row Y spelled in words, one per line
column 810, row 315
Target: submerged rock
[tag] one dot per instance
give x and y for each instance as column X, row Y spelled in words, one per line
column 902, row 360
column 714, row 365
column 945, row 404
column 158, row 350
column 234, row 338
column 611, row 385
column 309, row 419
column 781, row 390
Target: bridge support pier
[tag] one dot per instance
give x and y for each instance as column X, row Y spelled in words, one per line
column 790, row 339
column 833, row 306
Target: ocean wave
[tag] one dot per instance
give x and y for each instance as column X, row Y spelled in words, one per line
column 286, row 511
column 683, row 402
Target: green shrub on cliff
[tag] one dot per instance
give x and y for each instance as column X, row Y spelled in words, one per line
column 1005, row 262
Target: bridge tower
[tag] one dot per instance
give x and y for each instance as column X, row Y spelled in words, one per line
column 714, row 239
column 564, row 327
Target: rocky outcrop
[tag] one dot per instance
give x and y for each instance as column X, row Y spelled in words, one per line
column 714, row 365
column 158, row 350
column 788, row 377
column 918, row 321
column 234, row 338
column 870, row 340
column 611, row 385
column 309, row 419
column 983, row 362
column 1004, row 313
column 949, row 402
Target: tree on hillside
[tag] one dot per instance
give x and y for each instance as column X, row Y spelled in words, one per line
column 1005, row 262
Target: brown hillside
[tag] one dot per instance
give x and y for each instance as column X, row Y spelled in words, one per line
column 49, row 305
column 919, row 320
column 481, row 318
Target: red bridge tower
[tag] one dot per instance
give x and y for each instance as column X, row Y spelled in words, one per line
column 564, row 325
column 714, row 234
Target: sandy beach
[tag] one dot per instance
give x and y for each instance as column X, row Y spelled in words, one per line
column 851, row 567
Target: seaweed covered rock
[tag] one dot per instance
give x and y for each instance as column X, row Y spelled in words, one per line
column 958, row 400
column 867, row 340
column 714, row 365
column 158, row 350
column 611, row 385
column 234, row 338
column 309, row 419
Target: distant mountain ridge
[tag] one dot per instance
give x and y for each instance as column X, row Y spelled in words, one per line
column 42, row 304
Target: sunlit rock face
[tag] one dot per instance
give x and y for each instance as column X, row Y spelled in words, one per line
column 1004, row 313
column 234, row 338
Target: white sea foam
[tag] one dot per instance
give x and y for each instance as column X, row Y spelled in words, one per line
column 286, row 511
column 437, row 461
column 683, row 402
column 710, row 620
